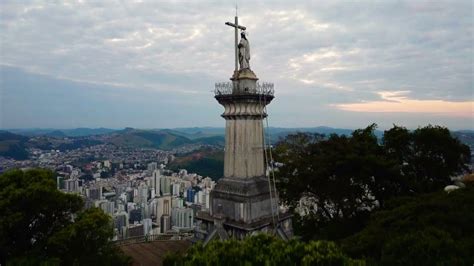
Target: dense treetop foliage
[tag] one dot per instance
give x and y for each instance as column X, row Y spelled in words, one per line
column 431, row 229
column 341, row 179
column 426, row 157
column 42, row 225
column 263, row 249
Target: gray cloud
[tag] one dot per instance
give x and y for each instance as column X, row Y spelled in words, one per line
column 319, row 54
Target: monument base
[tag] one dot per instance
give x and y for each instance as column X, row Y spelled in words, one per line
column 211, row 227
column 241, row 207
column 243, row 199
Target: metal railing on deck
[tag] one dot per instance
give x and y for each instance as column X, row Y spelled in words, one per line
column 227, row 88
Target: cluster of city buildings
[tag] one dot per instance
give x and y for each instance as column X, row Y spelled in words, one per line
column 148, row 202
column 132, row 185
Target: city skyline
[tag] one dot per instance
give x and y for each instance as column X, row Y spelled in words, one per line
column 154, row 65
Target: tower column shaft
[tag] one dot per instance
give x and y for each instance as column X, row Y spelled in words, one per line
column 244, row 156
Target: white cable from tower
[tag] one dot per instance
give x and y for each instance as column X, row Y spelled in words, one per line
column 271, row 163
column 262, row 108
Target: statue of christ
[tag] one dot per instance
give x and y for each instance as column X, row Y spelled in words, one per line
column 244, row 52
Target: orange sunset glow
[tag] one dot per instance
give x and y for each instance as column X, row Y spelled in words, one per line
column 398, row 102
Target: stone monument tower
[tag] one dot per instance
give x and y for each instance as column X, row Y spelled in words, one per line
column 244, row 201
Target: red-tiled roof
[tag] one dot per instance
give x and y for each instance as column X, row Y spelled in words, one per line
column 153, row 253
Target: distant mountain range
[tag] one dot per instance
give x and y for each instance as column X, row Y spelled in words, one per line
column 147, row 139
column 75, row 132
column 13, row 143
column 165, row 139
column 189, row 132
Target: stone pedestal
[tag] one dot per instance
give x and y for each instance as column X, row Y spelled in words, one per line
column 243, row 200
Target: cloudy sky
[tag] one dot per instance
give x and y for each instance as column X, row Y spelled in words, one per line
column 154, row 64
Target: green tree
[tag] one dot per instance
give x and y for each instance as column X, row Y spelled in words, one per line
column 86, row 241
column 263, row 249
column 336, row 175
column 429, row 229
column 345, row 178
column 36, row 218
column 32, row 209
column 427, row 157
